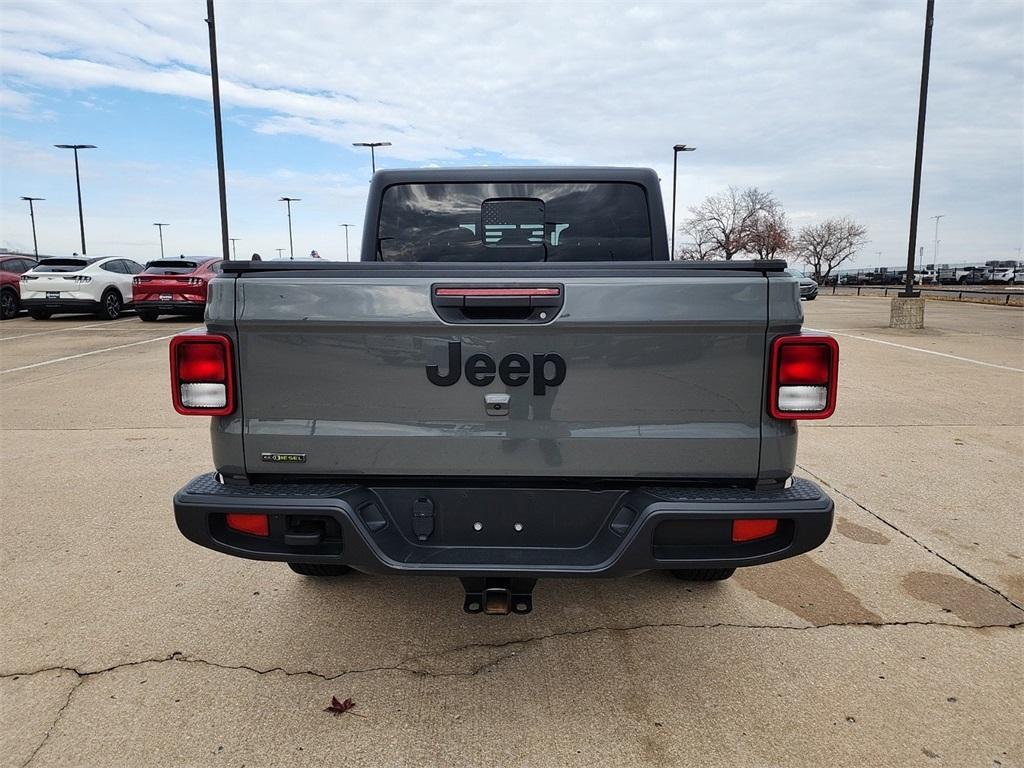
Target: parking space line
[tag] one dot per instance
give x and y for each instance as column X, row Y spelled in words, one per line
column 918, row 349
column 86, row 354
column 66, row 330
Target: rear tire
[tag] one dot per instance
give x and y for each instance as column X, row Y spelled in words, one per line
column 704, row 574
column 147, row 315
column 318, row 569
column 9, row 304
column 39, row 314
column 110, row 305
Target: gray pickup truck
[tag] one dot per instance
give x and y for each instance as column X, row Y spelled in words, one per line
column 513, row 382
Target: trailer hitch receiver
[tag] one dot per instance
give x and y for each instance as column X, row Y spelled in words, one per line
column 498, row 596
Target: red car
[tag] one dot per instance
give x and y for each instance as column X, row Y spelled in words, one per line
column 174, row 287
column 11, row 268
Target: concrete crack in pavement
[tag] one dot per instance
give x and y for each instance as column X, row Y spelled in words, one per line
column 917, row 541
column 53, row 724
column 403, row 666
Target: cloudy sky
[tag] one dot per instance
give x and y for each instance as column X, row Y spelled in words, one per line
column 816, row 101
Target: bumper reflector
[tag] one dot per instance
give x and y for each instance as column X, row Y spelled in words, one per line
column 255, row 525
column 748, row 530
column 204, row 395
column 803, row 398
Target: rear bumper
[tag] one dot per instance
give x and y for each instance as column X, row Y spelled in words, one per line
column 171, row 307
column 562, row 531
column 62, row 305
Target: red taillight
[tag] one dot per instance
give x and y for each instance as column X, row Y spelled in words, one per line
column 804, row 364
column 202, row 362
column 803, row 377
column 255, row 525
column 202, row 378
column 748, row 530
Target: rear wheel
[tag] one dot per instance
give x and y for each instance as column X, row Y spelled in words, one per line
column 110, row 305
column 147, row 315
column 704, row 574
column 318, row 569
column 39, row 314
column 9, row 304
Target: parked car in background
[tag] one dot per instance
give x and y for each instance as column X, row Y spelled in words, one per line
column 1004, row 272
column 174, row 286
column 11, row 269
column 961, row 275
column 61, row 285
column 808, row 288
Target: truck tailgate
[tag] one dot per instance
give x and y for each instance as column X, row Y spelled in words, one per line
column 663, row 376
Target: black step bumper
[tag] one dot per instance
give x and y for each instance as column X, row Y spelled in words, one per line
column 520, row 530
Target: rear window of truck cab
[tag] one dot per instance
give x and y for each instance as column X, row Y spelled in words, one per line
column 538, row 221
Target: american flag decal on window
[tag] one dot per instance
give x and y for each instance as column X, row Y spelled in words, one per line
column 512, row 222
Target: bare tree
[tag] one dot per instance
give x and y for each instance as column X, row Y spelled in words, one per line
column 769, row 232
column 725, row 221
column 701, row 246
column 826, row 245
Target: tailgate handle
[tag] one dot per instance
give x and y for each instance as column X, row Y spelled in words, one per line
column 497, row 303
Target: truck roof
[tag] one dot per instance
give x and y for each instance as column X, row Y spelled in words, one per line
column 643, row 176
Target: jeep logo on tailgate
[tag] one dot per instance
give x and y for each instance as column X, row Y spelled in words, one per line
column 547, row 370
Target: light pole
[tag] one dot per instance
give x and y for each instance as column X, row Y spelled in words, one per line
column 347, row 227
column 675, row 169
column 935, row 247
column 218, row 131
column 78, row 185
column 32, row 215
column 279, row 252
column 922, row 108
column 234, row 248
column 160, row 227
column 372, row 145
column 288, row 201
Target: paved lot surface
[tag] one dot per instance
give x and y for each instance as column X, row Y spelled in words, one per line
column 899, row 642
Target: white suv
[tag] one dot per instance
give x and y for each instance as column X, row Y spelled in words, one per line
column 102, row 286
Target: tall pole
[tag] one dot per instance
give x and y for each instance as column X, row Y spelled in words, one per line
column 922, row 109
column 935, row 246
column 372, row 145
column 78, row 185
column 289, row 201
column 217, row 129
column 160, row 226
column 279, row 252
column 675, row 171
column 234, row 247
column 346, row 226
column 81, row 216
column 32, row 215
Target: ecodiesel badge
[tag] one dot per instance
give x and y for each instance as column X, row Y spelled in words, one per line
column 284, row 458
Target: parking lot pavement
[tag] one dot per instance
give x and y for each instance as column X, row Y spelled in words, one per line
column 896, row 643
